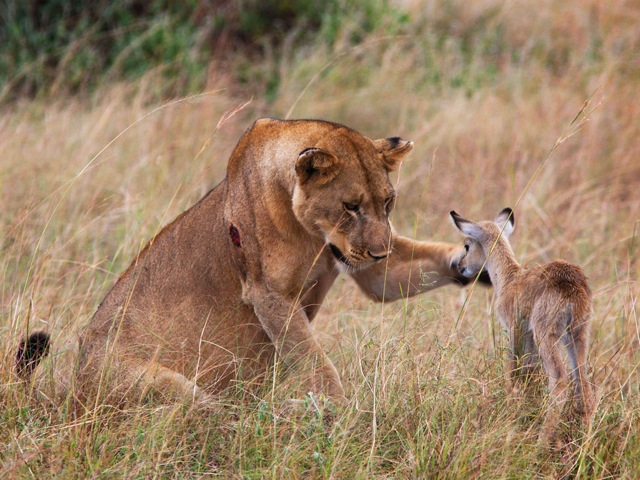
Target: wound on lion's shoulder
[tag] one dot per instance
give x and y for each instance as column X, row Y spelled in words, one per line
column 235, row 235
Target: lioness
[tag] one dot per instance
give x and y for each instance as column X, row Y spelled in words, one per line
column 239, row 276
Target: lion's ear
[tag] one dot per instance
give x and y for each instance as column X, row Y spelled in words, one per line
column 394, row 150
column 316, row 164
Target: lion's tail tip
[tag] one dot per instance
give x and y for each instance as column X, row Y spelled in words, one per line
column 30, row 351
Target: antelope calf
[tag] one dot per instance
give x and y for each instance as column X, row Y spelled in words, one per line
column 542, row 308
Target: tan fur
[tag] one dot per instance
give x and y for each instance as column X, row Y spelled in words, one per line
column 239, row 276
column 543, row 308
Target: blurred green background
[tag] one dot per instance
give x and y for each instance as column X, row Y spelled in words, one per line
column 72, row 46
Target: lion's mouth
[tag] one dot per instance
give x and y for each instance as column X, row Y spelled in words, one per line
column 339, row 255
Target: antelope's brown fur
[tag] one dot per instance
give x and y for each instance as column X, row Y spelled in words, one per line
column 544, row 308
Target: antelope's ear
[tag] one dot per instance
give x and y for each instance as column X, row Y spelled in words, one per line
column 317, row 165
column 394, row 150
column 506, row 221
column 469, row 228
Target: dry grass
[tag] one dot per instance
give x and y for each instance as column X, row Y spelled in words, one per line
column 484, row 90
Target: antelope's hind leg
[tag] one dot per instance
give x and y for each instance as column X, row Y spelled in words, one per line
column 584, row 395
column 549, row 342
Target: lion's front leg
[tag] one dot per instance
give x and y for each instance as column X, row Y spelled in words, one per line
column 287, row 326
column 411, row 268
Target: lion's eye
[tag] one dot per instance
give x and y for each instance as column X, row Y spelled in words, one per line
column 351, row 207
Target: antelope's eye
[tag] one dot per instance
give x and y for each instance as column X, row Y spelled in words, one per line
column 466, row 247
column 388, row 203
column 351, row 207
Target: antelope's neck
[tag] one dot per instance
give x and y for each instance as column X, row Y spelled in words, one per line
column 503, row 266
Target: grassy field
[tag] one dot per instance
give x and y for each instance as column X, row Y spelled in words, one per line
column 525, row 104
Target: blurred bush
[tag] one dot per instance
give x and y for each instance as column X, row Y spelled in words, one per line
column 53, row 46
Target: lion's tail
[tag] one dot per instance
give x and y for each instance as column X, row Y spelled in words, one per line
column 30, row 352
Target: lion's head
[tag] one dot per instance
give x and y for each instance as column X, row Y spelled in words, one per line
column 343, row 194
